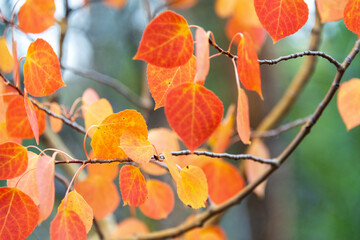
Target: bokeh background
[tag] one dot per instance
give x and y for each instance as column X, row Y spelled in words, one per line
column 315, row 194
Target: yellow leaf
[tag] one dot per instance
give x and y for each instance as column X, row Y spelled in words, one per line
column 6, row 59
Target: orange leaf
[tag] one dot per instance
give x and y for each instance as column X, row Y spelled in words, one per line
column 182, row 4
column 194, row 112
column 170, row 162
column 42, row 74
column 18, row 215
column 109, row 171
column 117, row 4
column 281, row 18
column 202, row 53
column 192, row 188
column 206, row 233
column 247, row 65
column 254, row 169
column 225, row 8
column 67, row 225
column 242, row 117
column 13, row 160
column 223, row 179
column 106, row 139
column 35, row 16
column 352, row 15
column 17, row 123
column 162, row 80
column 4, row 136
column 31, row 114
column 132, row 186
column 160, row 200
column 45, row 174
column 129, row 227
column 89, row 96
column 26, row 182
column 100, row 193
column 348, row 103
column 136, row 146
column 95, row 113
column 166, row 42
column 55, row 123
column 6, row 60
column 76, row 203
column 330, row 10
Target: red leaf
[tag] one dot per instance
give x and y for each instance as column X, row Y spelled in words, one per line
column 132, row 186
column 331, row 10
column 166, row 42
column 162, row 80
column 31, row 114
column 18, row 214
column 194, row 113
column 281, row 18
column 247, row 65
column 42, row 74
column 67, row 225
column 352, row 16
column 242, row 117
column 202, row 53
column 13, row 160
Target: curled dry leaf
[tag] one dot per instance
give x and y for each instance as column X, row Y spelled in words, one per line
column 132, row 186
column 13, row 160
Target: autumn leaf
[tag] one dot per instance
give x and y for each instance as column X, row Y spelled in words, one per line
column 330, row 10
column 206, row 233
column 45, row 174
column 89, row 96
column 35, row 16
column 192, row 188
column 42, row 75
column 348, row 103
column 129, row 227
column 162, row 80
column 136, row 146
column 242, row 117
column 6, row 60
column 160, row 201
column 55, row 123
column 225, row 8
column 182, row 4
column 109, row 171
column 76, row 203
column 95, row 113
column 18, row 215
column 67, row 225
column 117, row 4
column 194, row 113
column 106, row 139
column 247, row 65
column 31, row 114
column 13, row 160
column 166, row 42
column 170, row 162
column 352, row 15
column 100, row 193
column 281, row 18
column 17, row 123
column 4, row 136
column 202, row 53
column 132, row 186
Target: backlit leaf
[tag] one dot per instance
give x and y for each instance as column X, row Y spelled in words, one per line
column 352, row 15
column 75, row 202
column 106, row 139
column 89, row 96
column 35, row 16
column 162, row 80
column 117, row 4
column 242, row 117
column 13, row 160
column 55, row 123
column 225, row 8
column 348, row 103
column 67, row 225
column 160, row 200
column 45, row 174
column 194, row 113
column 192, row 188
column 42, row 74
column 136, row 146
column 4, row 136
column 170, row 162
column 129, row 227
column 100, row 193
column 132, row 186
column 31, row 114
column 26, row 182
column 95, row 113
column 223, row 179
column 206, row 233
column 17, row 122
column 109, row 171
column 247, row 65
column 166, row 42
column 202, row 53
column 6, row 60
column 18, row 214
column 330, row 10
column 281, row 18
column 182, row 4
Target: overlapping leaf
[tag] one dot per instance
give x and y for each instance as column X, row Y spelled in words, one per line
column 18, row 214
column 352, row 15
column 89, row 96
column 242, row 117
column 162, row 80
column 31, row 115
column 13, row 160
column 42, row 74
column 95, row 113
column 67, row 225
column 330, row 10
column 109, row 171
column 170, row 162
column 281, row 18
column 132, row 186
column 202, row 53
column 55, row 123
column 194, row 113
column 166, row 42
column 6, row 60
